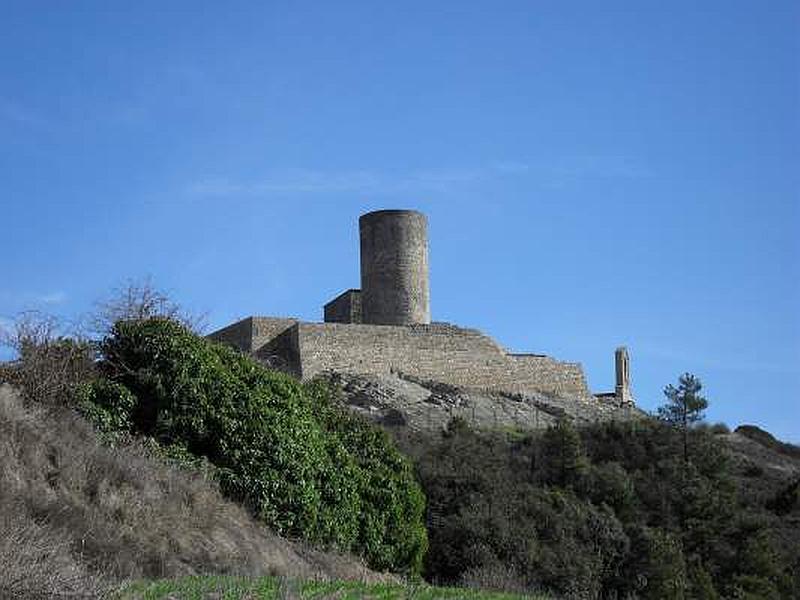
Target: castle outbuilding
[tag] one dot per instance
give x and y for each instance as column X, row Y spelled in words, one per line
column 385, row 328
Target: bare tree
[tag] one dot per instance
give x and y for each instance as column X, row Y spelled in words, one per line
column 48, row 364
column 137, row 300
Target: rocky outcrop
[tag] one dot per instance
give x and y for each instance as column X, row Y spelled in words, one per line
column 397, row 401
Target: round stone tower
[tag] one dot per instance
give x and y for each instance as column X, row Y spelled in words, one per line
column 394, row 268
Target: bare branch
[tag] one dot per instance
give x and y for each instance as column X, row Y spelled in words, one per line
column 137, row 300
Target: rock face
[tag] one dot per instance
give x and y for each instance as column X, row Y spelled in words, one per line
column 398, row 402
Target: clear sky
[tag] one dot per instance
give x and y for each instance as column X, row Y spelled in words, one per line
column 594, row 173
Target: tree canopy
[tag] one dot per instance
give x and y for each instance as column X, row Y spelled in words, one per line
column 684, row 407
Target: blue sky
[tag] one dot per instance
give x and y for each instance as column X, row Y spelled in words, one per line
column 595, row 173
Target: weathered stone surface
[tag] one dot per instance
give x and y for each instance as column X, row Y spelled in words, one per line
column 622, row 368
column 394, row 268
column 438, row 352
column 384, row 329
column 396, row 402
column 345, row 308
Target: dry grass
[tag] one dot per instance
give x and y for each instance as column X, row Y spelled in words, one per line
column 37, row 561
column 122, row 513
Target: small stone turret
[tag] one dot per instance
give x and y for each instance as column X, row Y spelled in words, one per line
column 622, row 364
column 394, row 268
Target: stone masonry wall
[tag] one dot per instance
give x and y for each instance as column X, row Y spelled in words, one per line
column 266, row 329
column 253, row 333
column 436, row 352
column 239, row 335
column 463, row 357
column 345, row 308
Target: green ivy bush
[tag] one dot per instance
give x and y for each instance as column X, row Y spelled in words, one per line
column 108, row 405
column 297, row 459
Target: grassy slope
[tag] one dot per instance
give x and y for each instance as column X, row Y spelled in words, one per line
column 268, row 588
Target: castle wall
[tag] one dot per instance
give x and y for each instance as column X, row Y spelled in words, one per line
column 266, row 329
column 239, row 335
column 282, row 352
column 345, row 308
column 253, row 333
column 463, row 357
column 547, row 374
column 385, row 327
column 437, row 352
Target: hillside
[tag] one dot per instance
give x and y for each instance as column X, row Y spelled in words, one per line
column 198, row 447
column 589, row 510
column 100, row 515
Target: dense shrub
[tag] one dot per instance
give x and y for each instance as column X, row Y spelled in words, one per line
column 303, row 466
column 487, row 515
column 392, row 504
column 561, row 458
column 611, row 510
column 786, row 500
column 656, row 564
column 108, row 406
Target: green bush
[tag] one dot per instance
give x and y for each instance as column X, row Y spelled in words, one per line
column 562, row 461
column 108, row 406
column 304, row 466
column 611, row 485
column 486, row 513
column 786, row 500
column 392, row 504
column 658, row 564
column 611, row 510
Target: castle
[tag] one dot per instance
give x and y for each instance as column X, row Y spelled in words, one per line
column 385, row 328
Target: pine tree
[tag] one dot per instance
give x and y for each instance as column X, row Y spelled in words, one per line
column 684, row 407
column 563, row 461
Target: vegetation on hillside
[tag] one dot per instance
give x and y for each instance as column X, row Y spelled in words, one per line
column 296, row 460
column 77, row 516
column 768, row 440
column 612, row 510
column 306, row 467
column 642, row 509
column 273, row 588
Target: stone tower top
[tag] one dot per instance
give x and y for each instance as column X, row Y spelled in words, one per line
column 394, row 268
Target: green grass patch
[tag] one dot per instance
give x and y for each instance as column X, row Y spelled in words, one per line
column 280, row 588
